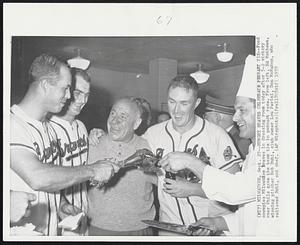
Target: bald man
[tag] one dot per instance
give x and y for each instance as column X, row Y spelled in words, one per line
column 118, row 208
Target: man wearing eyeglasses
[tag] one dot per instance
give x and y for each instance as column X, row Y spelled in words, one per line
column 73, row 144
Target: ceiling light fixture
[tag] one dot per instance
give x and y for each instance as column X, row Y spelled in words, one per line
column 224, row 56
column 200, row 76
column 79, row 62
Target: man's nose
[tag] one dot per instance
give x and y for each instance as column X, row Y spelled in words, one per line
column 114, row 120
column 177, row 108
column 235, row 117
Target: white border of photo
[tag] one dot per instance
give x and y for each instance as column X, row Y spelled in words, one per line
column 274, row 19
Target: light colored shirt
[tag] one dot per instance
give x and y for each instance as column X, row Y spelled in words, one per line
column 128, row 197
column 38, row 138
column 72, row 141
column 73, row 144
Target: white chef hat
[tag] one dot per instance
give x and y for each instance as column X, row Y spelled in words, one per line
column 248, row 84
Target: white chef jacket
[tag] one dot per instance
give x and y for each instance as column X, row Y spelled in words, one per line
column 238, row 189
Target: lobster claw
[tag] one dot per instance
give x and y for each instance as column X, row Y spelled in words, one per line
column 136, row 159
column 143, row 159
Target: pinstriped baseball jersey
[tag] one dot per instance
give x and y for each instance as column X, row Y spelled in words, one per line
column 72, row 141
column 38, row 138
column 206, row 141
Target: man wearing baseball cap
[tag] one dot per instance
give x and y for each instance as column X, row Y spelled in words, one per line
column 220, row 112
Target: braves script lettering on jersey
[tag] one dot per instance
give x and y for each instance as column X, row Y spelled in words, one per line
column 206, row 141
column 73, row 148
column 38, row 138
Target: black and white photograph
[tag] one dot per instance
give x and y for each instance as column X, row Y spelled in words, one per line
column 149, row 133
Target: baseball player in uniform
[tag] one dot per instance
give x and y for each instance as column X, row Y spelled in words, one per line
column 73, row 145
column 179, row 200
column 34, row 154
column 38, row 139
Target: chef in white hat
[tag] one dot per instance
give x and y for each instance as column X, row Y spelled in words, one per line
column 235, row 189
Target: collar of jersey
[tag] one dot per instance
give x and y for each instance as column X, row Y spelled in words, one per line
column 194, row 130
column 251, row 148
column 63, row 121
column 229, row 128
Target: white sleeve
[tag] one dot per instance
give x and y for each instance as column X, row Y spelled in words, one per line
column 229, row 188
column 20, row 137
column 232, row 221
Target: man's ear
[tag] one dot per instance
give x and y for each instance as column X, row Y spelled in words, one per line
column 198, row 101
column 137, row 123
column 219, row 117
column 44, row 85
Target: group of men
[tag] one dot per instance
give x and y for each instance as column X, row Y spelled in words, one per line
column 50, row 154
column 236, row 189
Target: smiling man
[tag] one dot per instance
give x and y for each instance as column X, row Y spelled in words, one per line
column 179, row 200
column 118, row 208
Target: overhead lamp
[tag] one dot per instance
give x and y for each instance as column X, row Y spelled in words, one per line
column 224, row 56
column 200, row 76
column 79, row 62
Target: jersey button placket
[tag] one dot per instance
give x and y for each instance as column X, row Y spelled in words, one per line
column 120, row 150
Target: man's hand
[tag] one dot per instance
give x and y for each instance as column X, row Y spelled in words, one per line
column 67, row 209
column 19, row 203
column 95, row 135
column 175, row 161
column 103, row 171
column 216, row 224
column 181, row 187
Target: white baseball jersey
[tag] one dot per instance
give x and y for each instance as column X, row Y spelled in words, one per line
column 206, row 141
column 39, row 138
column 72, row 141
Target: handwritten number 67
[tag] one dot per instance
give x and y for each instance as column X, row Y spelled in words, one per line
column 164, row 20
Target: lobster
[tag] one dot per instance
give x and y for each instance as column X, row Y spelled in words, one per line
column 146, row 161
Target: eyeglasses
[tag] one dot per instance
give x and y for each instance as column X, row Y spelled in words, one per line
column 78, row 94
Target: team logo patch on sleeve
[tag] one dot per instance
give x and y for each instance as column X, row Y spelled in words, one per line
column 227, row 153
